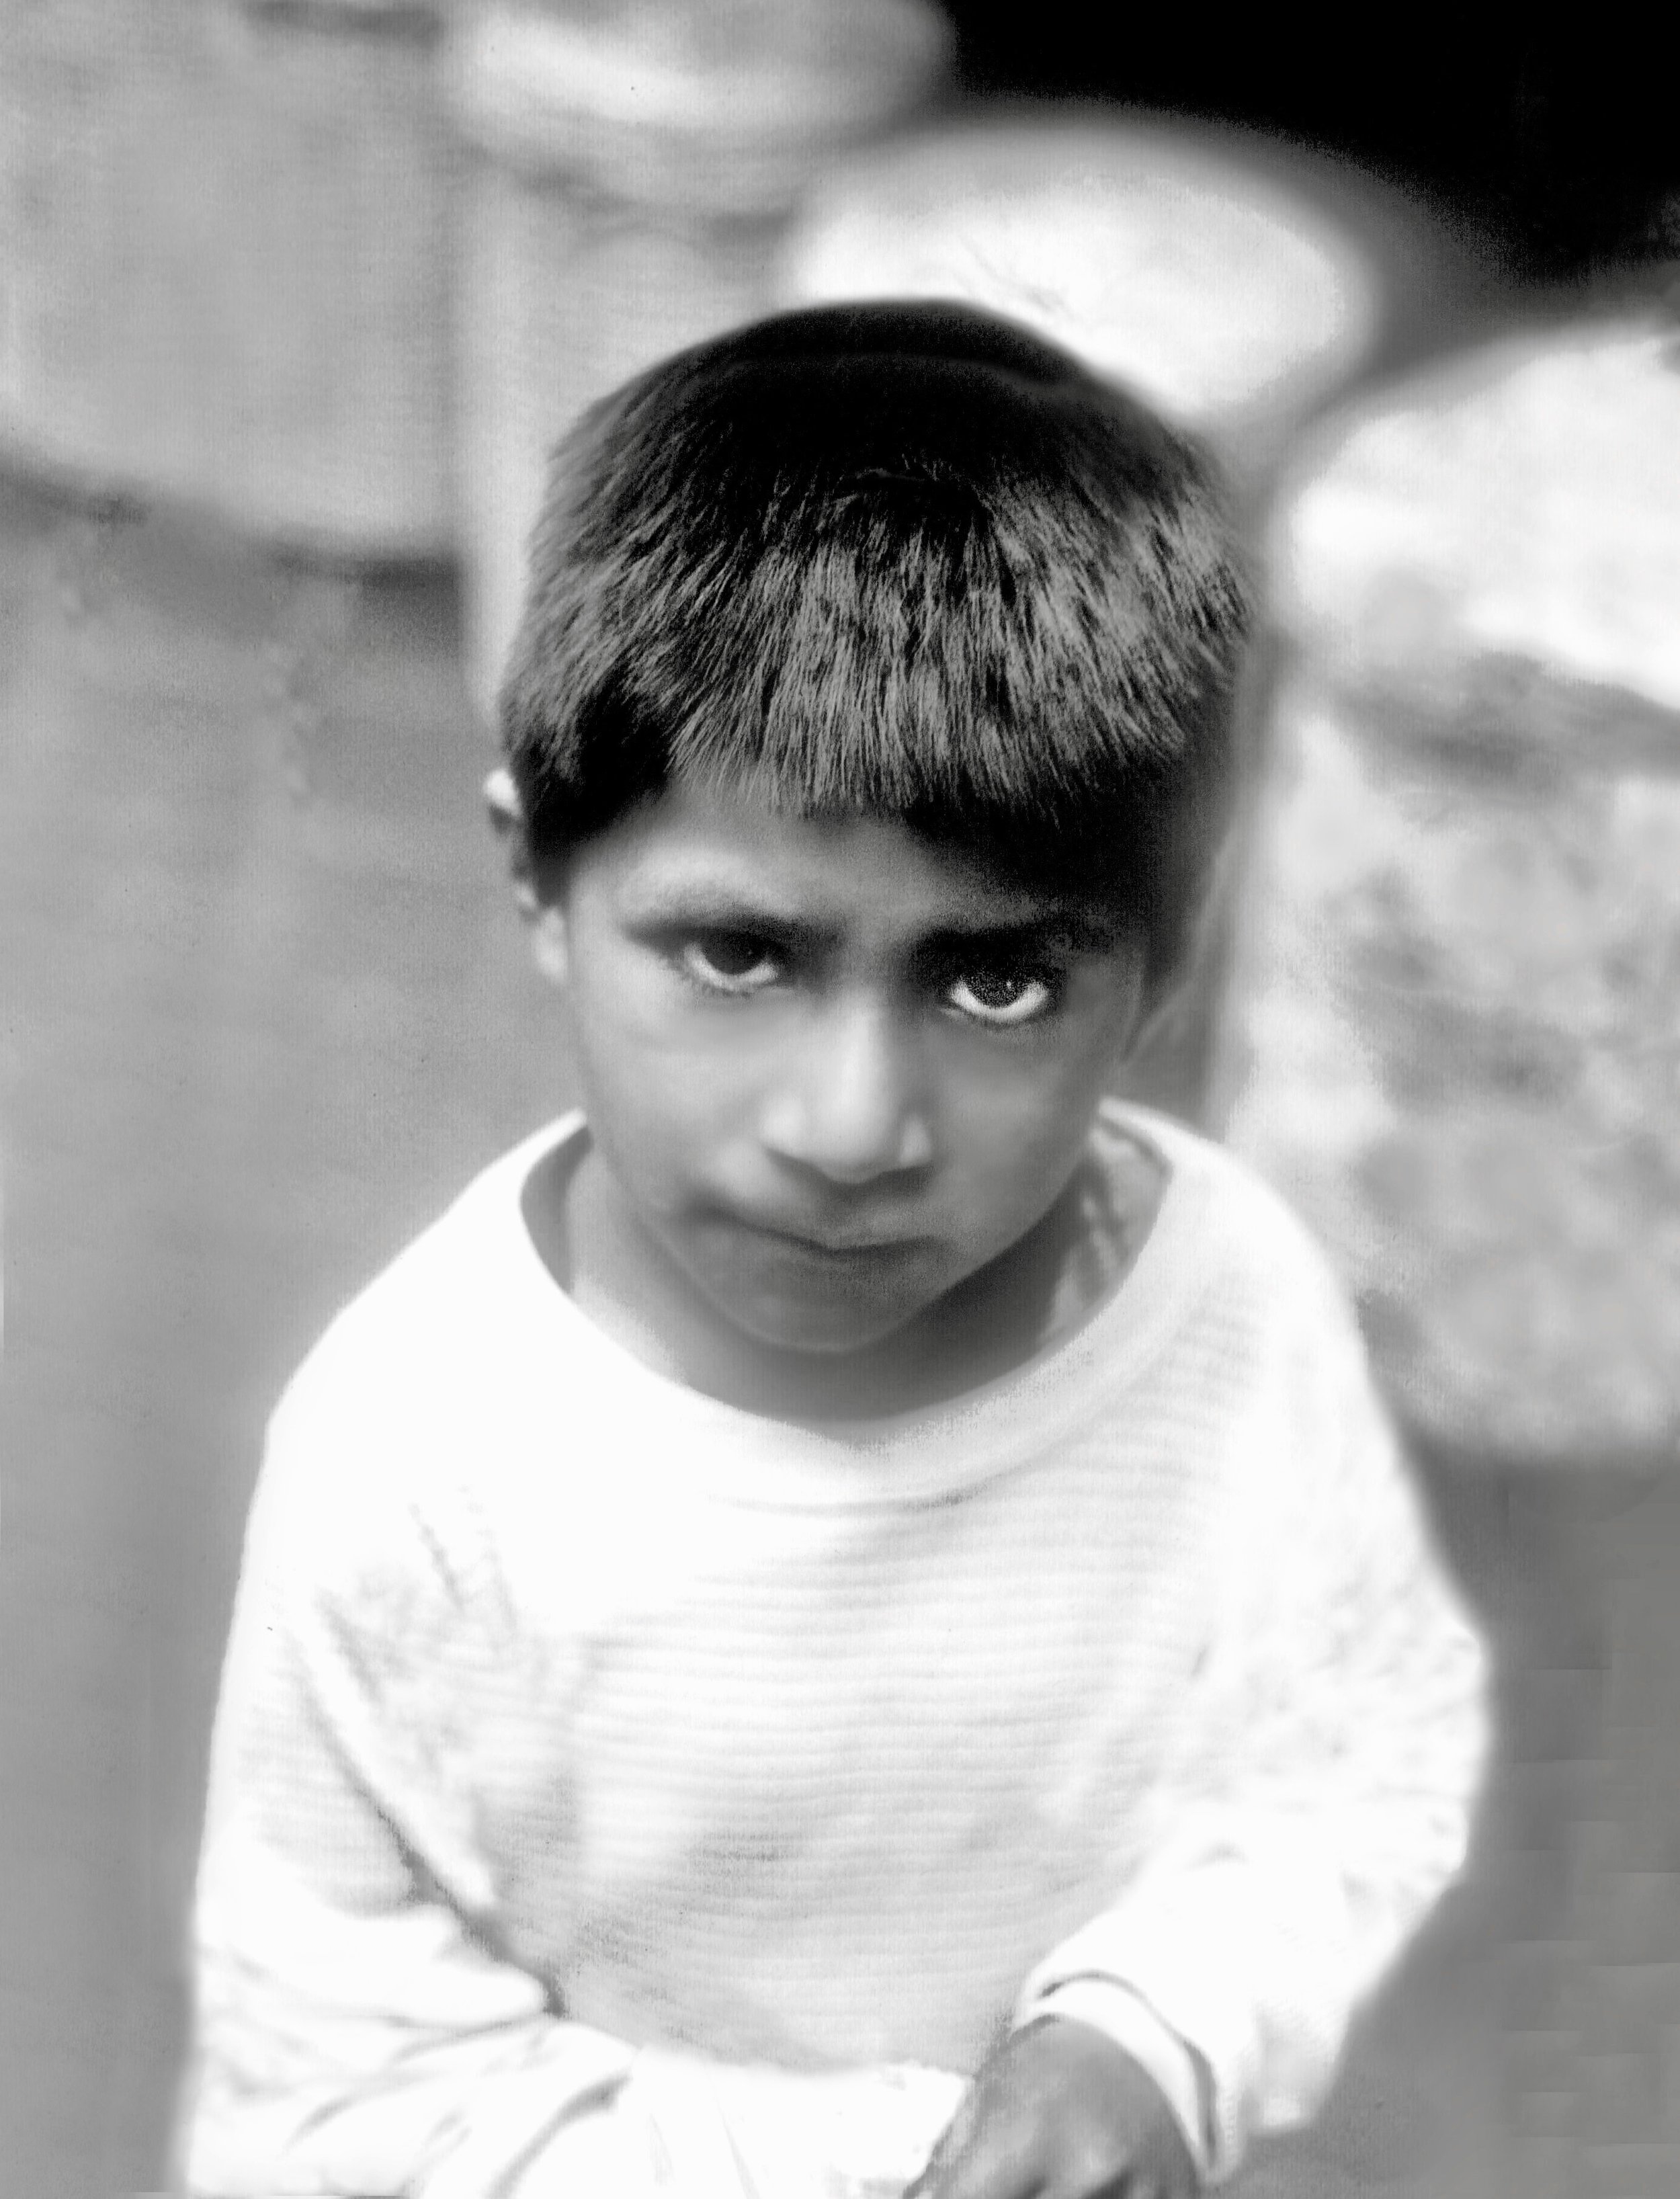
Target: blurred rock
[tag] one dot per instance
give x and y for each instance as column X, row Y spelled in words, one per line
column 1231, row 284
column 222, row 227
column 1523, row 504
column 636, row 163
column 1456, row 1034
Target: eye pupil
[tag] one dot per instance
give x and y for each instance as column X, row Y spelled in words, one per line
column 1001, row 996
column 732, row 955
column 733, row 962
column 995, row 989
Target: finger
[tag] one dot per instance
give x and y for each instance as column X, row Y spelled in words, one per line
column 998, row 2158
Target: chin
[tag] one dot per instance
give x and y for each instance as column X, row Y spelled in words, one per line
column 784, row 1298
column 814, row 1333
column 818, row 1318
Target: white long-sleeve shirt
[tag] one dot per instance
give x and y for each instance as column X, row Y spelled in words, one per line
column 608, row 1782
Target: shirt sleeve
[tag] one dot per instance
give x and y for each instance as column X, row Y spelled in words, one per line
column 357, row 2031
column 1323, row 1795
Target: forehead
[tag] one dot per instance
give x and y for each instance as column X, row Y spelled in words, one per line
column 723, row 856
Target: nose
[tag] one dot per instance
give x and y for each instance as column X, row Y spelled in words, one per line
column 851, row 1106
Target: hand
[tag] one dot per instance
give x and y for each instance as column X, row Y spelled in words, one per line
column 1060, row 2112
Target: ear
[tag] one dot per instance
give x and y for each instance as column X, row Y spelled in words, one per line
column 550, row 943
column 507, row 821
column 545, row 918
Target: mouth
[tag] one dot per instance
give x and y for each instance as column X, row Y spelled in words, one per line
column 839, row 1248
column 814, row 1289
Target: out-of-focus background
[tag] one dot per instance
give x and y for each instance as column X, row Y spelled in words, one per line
column 294, row 296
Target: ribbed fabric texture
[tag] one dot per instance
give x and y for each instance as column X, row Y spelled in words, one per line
column 577, row 1728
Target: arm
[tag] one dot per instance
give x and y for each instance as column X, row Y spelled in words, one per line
column 356, row 2030
column 1324, row 1799
column 1319, row 1804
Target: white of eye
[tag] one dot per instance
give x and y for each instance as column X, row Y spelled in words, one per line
column 1031, row 999
column 696, row 964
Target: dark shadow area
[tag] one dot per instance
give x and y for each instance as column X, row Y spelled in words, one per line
column 1556, row 139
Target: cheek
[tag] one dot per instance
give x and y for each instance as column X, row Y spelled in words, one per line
column 666, row 1094
column 1014, row 1131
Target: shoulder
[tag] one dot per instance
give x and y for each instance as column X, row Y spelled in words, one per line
column 1260, row 1339
column 400, row 1384
column 421, row 1322
column 1221, row 1218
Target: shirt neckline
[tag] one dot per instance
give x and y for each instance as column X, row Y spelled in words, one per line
column 925, row 1454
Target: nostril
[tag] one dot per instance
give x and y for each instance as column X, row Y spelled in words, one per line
column 847, row 1152
column 855, row 1110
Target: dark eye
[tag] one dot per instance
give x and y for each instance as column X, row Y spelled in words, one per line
column 728, row 961
column 1001, row 997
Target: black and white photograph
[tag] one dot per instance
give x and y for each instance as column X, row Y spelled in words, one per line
column 839, row 1103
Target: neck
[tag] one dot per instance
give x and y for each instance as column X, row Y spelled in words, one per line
column 1041, row 1288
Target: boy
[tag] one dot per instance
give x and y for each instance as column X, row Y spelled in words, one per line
column 847, row 1620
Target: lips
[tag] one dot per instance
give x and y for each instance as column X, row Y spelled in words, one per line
column 834, row 1248
column 814, row 1240
column 807, row 1287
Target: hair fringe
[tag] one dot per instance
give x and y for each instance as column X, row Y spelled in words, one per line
column 895, row 561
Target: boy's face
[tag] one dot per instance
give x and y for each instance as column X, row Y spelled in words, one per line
column 833, row 1070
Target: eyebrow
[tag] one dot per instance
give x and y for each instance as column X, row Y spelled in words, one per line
column 739, row 908
column 1062, row 928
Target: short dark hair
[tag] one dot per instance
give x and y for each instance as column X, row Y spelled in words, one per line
column 892, row 559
